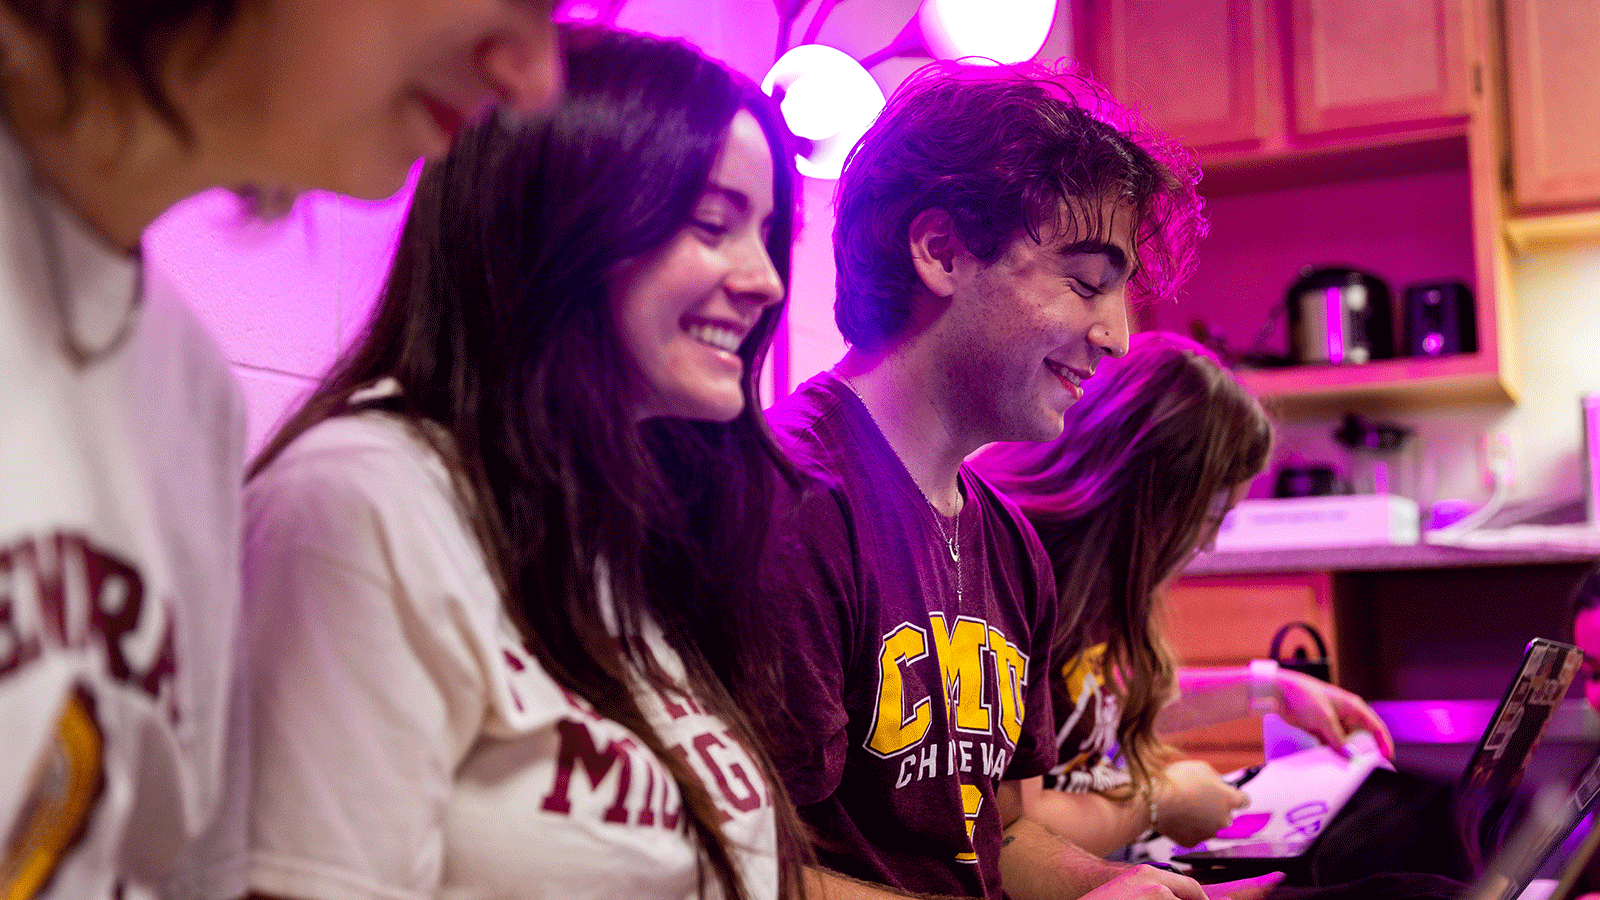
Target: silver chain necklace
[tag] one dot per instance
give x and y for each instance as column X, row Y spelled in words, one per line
column 952, row 543
column 56, row 272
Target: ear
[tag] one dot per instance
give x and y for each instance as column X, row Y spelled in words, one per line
column 934, row 248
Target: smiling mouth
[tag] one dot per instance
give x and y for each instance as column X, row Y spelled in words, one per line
column 720, row 337
column 1070, row 376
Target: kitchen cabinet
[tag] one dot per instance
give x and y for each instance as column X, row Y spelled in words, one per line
column 1331, row 132
column 1379, row 64
column 1228, row 620
column 1202, row 69
column 1553, row 95
column 1294, row 72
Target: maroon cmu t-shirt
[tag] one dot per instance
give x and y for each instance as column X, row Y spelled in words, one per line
column 906, row 707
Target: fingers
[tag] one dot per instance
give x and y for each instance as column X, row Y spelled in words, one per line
column 1180, row 886
column 1148, row 883
column 1333, row 734
column 1354, row 714
column 1331, row 713
column 1367, row 718
column 1385, row 740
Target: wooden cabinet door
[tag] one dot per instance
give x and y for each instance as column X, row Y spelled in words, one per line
column 1230, row 620
column 1553, row 73
column 1201, row 70
column 1379, row 63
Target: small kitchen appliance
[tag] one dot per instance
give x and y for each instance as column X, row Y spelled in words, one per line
column 1339, row 315
column 1439, row 319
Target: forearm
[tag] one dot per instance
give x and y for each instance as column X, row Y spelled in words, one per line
column 1094, row 822
column 1038, row 864
column 826, row 884
column 1206, row 697
column 1327, row 711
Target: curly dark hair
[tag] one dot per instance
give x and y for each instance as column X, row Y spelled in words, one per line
column 1004, row 151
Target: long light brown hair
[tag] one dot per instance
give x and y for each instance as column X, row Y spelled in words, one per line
column 1120, row 502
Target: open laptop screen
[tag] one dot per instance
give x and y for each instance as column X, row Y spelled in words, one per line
column 1488, row 786
column 1424, row 826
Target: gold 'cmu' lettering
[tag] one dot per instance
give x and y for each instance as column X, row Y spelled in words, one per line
column 967, row 651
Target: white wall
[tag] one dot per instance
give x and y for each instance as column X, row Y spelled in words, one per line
column 1557, row 297
column 282, row 298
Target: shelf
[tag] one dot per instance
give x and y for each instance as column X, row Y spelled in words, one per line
column 1380, row 386
column 1558, row 231
column 1382, row 558
column 1423, row 151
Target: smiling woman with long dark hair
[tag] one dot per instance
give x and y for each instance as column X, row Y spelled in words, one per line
column 476, row 556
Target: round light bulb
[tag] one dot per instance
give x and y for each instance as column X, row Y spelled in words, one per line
column 1004, row 31
column 828, row 99
column 810, row 107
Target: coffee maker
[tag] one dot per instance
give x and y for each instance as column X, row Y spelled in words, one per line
column 1339, row 316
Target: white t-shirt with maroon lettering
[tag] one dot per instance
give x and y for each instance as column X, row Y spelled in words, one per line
column 119, row 555
column 405, row 745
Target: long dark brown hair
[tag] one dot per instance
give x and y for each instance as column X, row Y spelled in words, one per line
column 1120, row 502
column 497, row 324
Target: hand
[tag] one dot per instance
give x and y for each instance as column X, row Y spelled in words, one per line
column 1256, row 888
column 1149, row 883
column 1328, row 712
column 1193, row 802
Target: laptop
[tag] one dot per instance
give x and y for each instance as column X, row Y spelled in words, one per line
column 1568, row 885
column 1552, row 819
column 1424, row 825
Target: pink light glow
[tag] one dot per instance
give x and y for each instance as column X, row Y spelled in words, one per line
column 1005, row 31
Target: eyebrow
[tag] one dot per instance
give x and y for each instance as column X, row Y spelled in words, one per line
column 1113, row 254
column 738, row 198
column 732, row 195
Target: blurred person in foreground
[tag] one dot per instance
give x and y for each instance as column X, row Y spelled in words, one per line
column 121, row 429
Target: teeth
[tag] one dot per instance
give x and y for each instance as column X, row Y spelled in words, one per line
column 716, row 336
column 1064, row 373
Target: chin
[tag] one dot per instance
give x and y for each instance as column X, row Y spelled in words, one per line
column 1047, row 428
column 725, row 414
column 711, row 409
column 381, row 178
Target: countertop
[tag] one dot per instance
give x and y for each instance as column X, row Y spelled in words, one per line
column 1522, row 545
